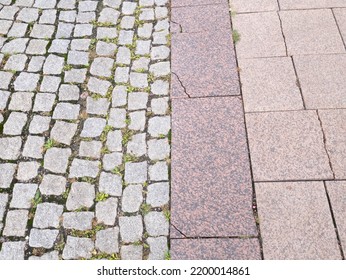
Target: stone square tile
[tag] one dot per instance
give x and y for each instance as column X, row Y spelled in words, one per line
column 269, row 84
column 3, row 204
column 44, row 102
column 110, row 184
column 337, row 195
column 4, row 97
column 18, row 30
column 78, row 220
column 199, row 19
column 84, row 168
column 215, row 249
column 340, row 15
column 33, row 147
column 50, row 83
column 37, row 46
column 309, row 4
column 75, row 76
column 26, row 81
column 5, row 78
column 77, row 248
column 240, row 6
column 16, row 62
column 27, row 170
column 207, row 159
column 42, row 238
column 16, row 221
column 131, row 252
column 333, row 124
column 260, row 35
column 39, row 124
column 12, row 250
column 15, row 46
column 7, row 171
column 81, row 195
column 322, row 86
column 295, row 221
column 10, row 148
column 56, row 159
column 21, row 101
column 158, row 247
column 22, row 195
column 66, row 111
column 203, row 65
column 53, row 185
column 311, row 32
column 90, row 149
column 15, row 123
column 106, row 211
column 108, row 240
column 287, row 146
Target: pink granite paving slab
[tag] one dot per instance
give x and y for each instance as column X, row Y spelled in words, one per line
column 200, row 19
column 296, row 221
column 181, row 3
column 215, row 249
column 337, row 195
column 205, row 65
column 311, row 4
column 334, row 127
column 287, row 146
column 211, row 191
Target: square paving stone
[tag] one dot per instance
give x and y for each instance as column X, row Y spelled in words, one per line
column 4, row 95
column 97, row 106
column 22, row 195
column 110, row 184
column 191, row 19
column 12, row 250
column 42, row 31
column 90, row 149
column 21, row 101
column 42, row 238
column 50, row 83
column 44, row 102
column 37, row 46
column 117, row 118
column 137, row 145
column 39, row 124
column 269, row 84
column 15, row 123
column 84, row 168
column 98, row 86
column 156, row 223
column 131, row 252
column 287, row 146
column 93, row 127
column 69, row 92
column 33, row 147
column 16, row 62
column 48, row 215
column 322, row 86
column 16, row 221
column 136, row 172
column 102, row 66
column 215, row 249
column 15, row 46
column 35, row 64
column 53, row 185
column 27, row 170
column 333, row 124
column 53, row 65
column 295, row 221
column 158, row 247
column 7, row 171
column 3, row 204
column 112, row 160
column 10, row 148
column 78, row 248
column 106, row 211
column 240, row 6
column 337, row 195
column 340, row 16
column 5, row 78
column 211, row 190
column 81, row 195
column 132, row 198
column 63, row 132
column 309, row 4
column 131, row 228
column 107, row 240
column 78, row 220
column 75, row 76
column 66, row 111
column 203, row 65
column 56, row 159
column 18, row 30
column 260, row 35
column 158, row 194
column 158, row 149
column 311, row 32
column 26, row 82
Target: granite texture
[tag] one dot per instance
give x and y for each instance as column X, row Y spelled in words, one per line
column 287, row 146
column 215, row 249
column 211, row 191
column 203, row 65
column 295, row 221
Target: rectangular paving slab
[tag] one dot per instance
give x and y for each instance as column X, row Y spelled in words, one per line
column 340, row 16
column 200, row 19
column 310, row 4
column 337, row 195
column 260, row 35
column 269, row 84
column 296, row 221
column 287, row 146
column 311, row 32
column 211, row 189
column 322, row 86
column 203, row 65
column 241, row 6
column 180, row 3
column 215, row 249
column 334, row 127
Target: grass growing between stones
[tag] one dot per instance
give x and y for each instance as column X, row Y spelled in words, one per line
column 235, row 36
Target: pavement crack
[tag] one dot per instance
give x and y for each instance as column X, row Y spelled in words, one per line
column 283, row 34
column 325, row 144
column 182, row 85
column 179, row 25
column 178, row 230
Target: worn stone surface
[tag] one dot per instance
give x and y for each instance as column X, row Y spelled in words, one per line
column 132, row 198
column 12, row 250
column 110, row 184
column 81, row 195
column 15, row 224
column 56, row 159
column 131, row 228
column 22, row 195
column 42, row 238
column 7, row 171
column 106, row 211
column 63, row 132
column 131, row 252
column 107, row 240
column 158, row 194
column 53, row 185
column 303, row 204
column 287, row 146
column 10, row 148
column 156, row 224
column 77, row 248
column 78, row 220
column 84, row 168
column 48, row 215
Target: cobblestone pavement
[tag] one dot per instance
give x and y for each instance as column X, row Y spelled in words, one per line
column 85, row 129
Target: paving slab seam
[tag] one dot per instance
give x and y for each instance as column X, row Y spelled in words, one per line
column 334, row 222
column 282, row 32
column 254, row 202
column 218, row 237
column 182, row 85
column 337, row 24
